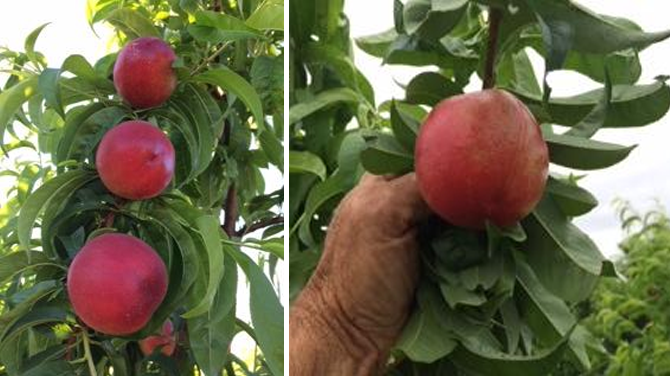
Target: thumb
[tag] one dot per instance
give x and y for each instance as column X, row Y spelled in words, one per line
column 409, row 197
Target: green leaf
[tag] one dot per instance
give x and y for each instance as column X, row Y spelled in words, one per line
column 19, row 262
column 68, row 181
column 191, row 104
column 210, row 230
column 50, row 89
column 631, row 106
column 36, row 316
column 595, row 119
column 30, row 297
column 51, row 368
column 272, row 148
column 180, row 124
column 12, row 99
column 216, row 27
column 424, row 339
column 560, row 253
column 210, row 335
column 590, row 32
column 320, row 101
column 430, row 88
column 30, row 45
column 385, row 155
column 342, row 180
column 268, row 16
column 571, row 199
column 514, row 70
column 377, row 45
column 549, row 316
column 405, row 127
column 584, row 154
column 479, row 358
column 274, row 246
column 306, row 162
column 512, row 324
column 78, row 65
column 181, row 279
column 332, row 57
column 267, row 313
column 132, row 23
column 83, row 129
column 432, row 19
column 235, row 84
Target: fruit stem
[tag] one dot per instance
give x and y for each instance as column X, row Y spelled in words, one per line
column 87, row 354
column 495, row 17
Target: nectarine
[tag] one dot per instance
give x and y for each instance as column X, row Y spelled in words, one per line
column 481, row 156
column 135, row 160
column 166, row 339
column 115, row 283
column 143, row 73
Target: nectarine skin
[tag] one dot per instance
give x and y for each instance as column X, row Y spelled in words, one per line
column 143, row 73
column 115, row 284
column 135, row 160
column 481, row 156
column 165, row 339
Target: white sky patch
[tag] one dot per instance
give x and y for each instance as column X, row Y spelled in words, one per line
column 643, row 178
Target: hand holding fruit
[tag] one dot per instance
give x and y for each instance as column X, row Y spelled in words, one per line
column 360, row 295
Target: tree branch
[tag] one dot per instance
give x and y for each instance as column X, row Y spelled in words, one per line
column 260, row 224
column 231, row 211
column 495, row 17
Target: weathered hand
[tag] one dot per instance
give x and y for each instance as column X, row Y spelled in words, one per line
column 363, row 287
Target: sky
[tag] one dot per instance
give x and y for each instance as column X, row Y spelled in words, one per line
column 643, row 178
column 69, row 33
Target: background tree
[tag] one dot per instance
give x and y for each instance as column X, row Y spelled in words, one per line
column 225, row 120
column 630, row 315
column 494, row 302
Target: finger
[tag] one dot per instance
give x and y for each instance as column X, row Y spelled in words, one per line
column 369, row 178
column 409, row 196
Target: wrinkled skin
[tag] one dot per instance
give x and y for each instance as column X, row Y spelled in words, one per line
column 143, row 73
column 480, row 156
column 358, row 300
column 135, row 160
column 166, row 339
column 115, row 284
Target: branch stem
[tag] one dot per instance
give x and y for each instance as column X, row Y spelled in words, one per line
column 231, row 212
column 210, row 58
column 261, row 224
column 495, row 18
column 87, row 354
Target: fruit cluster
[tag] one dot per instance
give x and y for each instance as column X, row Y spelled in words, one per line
column 116, row 282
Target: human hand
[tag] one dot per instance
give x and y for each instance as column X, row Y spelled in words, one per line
column 363, row 287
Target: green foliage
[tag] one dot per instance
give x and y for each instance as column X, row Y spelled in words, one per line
column 501, row 301
column 225, row 121
column 629, row 315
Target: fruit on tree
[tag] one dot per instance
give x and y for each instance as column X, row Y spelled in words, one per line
column 481, row 157
column 166, row 339
column 115, row 283
column 143, row 73
column 135, row 160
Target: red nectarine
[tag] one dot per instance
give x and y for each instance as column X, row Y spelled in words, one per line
column 135, row 160
column 115, row 284
column 143, row 73
column 166, row 339
column 480, row 156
